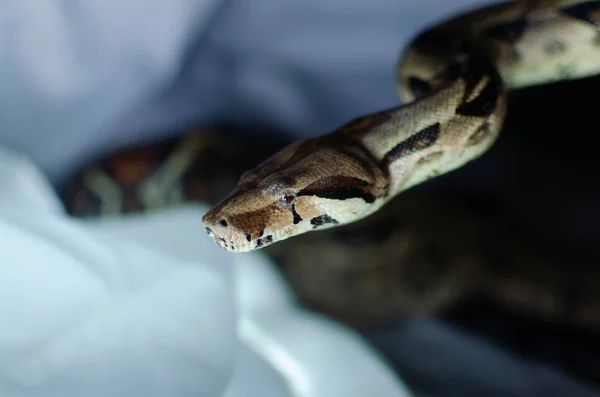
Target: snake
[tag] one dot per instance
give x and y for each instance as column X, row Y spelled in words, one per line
column 424, row 253
column 453, row 79
column 376, row 253
column 387, row 253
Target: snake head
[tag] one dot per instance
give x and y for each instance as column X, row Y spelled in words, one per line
column 253, row 216
column 304, row 187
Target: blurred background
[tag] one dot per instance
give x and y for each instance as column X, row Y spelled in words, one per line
column 80, row 81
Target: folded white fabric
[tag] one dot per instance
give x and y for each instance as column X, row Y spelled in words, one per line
column 149, row 306
column 93, row 314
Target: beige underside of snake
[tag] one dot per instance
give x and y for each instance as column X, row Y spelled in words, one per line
column 454, row 79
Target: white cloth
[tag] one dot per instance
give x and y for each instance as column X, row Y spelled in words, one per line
column 149, row 306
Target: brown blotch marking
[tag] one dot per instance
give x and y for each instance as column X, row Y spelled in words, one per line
column 588, row 12
column 340, row 188
column 254, row 222
column 554, row 47
column 431, row 157
column 419, row 141
column 133, row 166
column 480, row 134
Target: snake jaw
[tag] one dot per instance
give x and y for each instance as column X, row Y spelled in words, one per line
column 220, row 241
column 219, row 228
column 242, row 231
column 232, row 243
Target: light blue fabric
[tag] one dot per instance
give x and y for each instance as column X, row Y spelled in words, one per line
column 69, row 71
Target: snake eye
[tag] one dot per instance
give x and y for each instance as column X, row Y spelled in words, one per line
column 287, row 199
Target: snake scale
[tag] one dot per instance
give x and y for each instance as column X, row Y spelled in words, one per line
column 378, row 253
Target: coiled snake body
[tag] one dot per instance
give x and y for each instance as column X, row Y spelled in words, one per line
column 456, row 75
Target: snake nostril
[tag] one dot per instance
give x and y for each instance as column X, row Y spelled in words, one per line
column 223, row 222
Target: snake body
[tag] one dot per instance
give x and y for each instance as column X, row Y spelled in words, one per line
column 424, row 253
column 384, row 254
column 455, row 78
column 402, row 259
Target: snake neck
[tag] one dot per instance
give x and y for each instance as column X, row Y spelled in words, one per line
column 453, row 123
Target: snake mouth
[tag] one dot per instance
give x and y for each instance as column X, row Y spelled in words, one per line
column 220, row 241
column 228, row 244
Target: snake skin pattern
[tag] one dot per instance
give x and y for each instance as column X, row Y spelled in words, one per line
column 456, row 76
column 378, row 254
